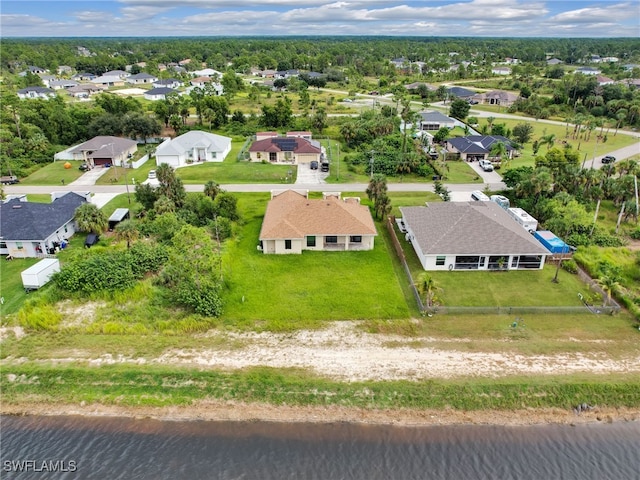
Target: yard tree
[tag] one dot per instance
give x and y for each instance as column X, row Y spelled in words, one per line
column 90, row 218
column 139, row 125
column 193, row 273
column 212, row 189
column 377, row 186
column 459, row 109
column 128, row 231
column 170, row 186
column 441, row 135
column 427, row 289
column 146, row 195
column 498, row 149
column 522, row 132
column 226, row 205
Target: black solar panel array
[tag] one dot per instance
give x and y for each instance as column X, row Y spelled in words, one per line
column 285, row 144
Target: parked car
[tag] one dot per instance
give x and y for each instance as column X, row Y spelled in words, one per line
column 152, row 174
column 314, row 165
column 608, row 159
column 324, row 167
column 9, row 179
column 83, row 167
column 486, row 165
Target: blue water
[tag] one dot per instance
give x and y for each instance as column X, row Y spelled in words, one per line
column 121, row 448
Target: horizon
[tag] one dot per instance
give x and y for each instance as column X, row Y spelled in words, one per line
column 314, row 18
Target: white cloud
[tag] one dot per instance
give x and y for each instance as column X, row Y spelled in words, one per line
column 620, row 11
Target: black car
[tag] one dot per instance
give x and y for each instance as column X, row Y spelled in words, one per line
column 608, row 159
column 314, row 165
column 83, row 167
column 324, row 167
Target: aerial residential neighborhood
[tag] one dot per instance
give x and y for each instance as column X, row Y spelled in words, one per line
column 321, row 224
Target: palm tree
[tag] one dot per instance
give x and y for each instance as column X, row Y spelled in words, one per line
column 609, row 284
column 90, row 218
column 127, row 230
column 212, row 189
column 499, row 150
column 427, row 289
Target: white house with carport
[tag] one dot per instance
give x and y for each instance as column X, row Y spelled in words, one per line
column 434, row 121
column 36, row 92
column 142, row 79
column 193, row 147
column 470, row 236
column 31, row 229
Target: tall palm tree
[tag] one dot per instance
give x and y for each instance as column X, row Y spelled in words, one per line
column 90, row 218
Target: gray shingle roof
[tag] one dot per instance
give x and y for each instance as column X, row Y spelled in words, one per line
column 478, row 143
column 36, row 221
column 437, row 117
column 475, row 228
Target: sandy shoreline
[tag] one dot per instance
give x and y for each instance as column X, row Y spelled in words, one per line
column 258, row 412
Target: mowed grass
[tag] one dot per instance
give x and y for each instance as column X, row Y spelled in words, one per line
column 54, row 173
column 294, row 291
column 11, row 288
column 510, row 289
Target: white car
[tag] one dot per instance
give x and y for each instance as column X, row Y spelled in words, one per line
column 152, row 174
column 486, row 165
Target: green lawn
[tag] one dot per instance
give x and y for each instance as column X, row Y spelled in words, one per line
column 513, row 288
column 54, row 174
column 291, row 291
column 11, row 289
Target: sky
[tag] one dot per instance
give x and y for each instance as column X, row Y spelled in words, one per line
column 489, row 18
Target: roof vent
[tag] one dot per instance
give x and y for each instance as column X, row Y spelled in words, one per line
column 17, row 206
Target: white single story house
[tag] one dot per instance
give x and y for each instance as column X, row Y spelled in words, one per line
column 159, row 93
column 470, row 236
column 36, row 92
column 30, row 229
column 193, row 147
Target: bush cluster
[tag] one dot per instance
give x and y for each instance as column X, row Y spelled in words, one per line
column 110, row 270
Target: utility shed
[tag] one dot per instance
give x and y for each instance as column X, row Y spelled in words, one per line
column 551, row 242
column 118, row 216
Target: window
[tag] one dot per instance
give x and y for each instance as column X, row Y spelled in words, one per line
column 331, row 239
column 65, row 229
column 3, row 245
column 273, row 157
column 440, row 260
column 311, row 241
column 355, row 239
column 19, row 245
column 287, row 244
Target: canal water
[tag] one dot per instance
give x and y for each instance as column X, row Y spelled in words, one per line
column 71, row 447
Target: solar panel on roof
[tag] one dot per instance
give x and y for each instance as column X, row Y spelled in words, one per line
column 286, row 144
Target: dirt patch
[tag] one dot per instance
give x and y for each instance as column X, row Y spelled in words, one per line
column 17, row 332
column 344, row 352
column 76, row 315
column 237, row 411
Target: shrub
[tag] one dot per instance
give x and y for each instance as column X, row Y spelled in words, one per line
column 570, row 266
column 39, row 316
column 635, row 234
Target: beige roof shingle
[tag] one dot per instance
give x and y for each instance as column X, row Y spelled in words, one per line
column 291, row 215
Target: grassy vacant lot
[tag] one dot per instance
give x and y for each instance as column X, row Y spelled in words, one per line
column 53, row 174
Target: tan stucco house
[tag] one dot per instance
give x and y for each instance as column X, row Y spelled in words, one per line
column 291, row 150
column 293, row 223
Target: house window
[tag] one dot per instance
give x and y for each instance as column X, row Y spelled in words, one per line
column 273, row 156
column 287, row 244
column 355, row 239
column 288, row 156
column 311, row 241
column 331, row 239
column 214, row 154
column 19, row 245
column 3, row 245
column 65, row 229
column 440, row 260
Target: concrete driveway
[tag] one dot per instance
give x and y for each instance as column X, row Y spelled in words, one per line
column 90, row 177
column 306, row 176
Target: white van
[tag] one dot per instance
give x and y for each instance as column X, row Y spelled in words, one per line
column 478, row 196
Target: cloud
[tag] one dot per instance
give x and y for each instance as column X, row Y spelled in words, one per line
column 621, row 12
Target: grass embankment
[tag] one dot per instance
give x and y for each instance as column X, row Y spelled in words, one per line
column 162, row 386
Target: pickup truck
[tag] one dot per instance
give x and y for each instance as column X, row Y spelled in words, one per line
column 9, row 179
